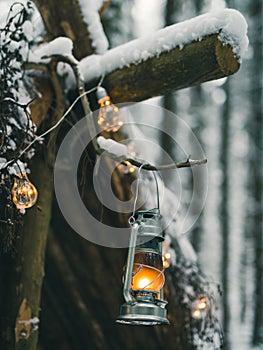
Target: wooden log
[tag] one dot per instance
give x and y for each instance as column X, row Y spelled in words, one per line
column 196, row 63
column 23, row 273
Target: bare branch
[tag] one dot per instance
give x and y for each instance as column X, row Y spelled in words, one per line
column 151, row 167
column 188, row 163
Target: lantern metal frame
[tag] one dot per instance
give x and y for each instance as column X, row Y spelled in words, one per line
column 142, row 307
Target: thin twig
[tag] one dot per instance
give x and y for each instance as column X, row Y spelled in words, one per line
column 151, row 167
column 188, row 163
column 21, row 105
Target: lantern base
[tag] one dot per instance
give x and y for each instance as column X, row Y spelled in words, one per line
column 143, row 313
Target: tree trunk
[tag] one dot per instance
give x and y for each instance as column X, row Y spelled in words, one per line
column 23, row 274
column 82, row 292
column 224, row 209
column 256, row 167
column 169, row 99
column 66, row 19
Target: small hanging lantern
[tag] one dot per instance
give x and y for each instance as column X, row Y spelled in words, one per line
column 144, row 272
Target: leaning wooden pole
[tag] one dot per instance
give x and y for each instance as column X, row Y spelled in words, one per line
column 25, row 272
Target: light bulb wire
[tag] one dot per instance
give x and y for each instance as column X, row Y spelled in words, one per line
column 40, row 137
column 132, row 219
column 19, row 168
column 101, row 80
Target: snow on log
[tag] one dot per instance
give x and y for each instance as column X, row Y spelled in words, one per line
column 189, row 53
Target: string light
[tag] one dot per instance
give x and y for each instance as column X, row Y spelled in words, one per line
column 24, row 193
column 199, row 307
column 109, row 118
column 167, row 256
column 128, row 168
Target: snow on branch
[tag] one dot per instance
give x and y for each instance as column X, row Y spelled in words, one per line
column 119, row 152
column 78, row 20
column 90, row 11
column 117, row 149
column 58, row 46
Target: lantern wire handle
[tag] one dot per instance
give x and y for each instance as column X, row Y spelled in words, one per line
column 131, row 219
column 130, row 260
column 157, row 190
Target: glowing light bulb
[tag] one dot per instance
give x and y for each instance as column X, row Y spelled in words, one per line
column 109, row 118
column 167, row 256
column 128, row 168
column 24, row 193
column 196, row 314
column 166, row 260
column 147, row 272
column 200, row 307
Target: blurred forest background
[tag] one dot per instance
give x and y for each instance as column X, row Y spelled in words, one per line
column 226, row 117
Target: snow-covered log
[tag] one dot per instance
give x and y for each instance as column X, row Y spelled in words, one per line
column 189, row 53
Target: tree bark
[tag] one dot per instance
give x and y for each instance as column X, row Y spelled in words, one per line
column 256, row 166
column 23, row 274
column 196, row 63
column 224, row 208
column 83, row 292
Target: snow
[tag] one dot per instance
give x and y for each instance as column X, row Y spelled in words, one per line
column 17, row 168
column 113, row 147
column 155, row 10
column 217, row 5
column 58, row 46
column 2, row 162
column 28, row 30
column 89, row 9
column 33, row 321
column 229, row 24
